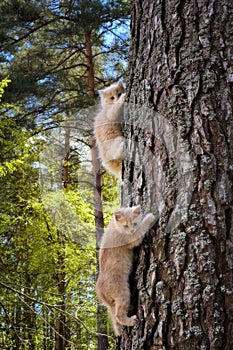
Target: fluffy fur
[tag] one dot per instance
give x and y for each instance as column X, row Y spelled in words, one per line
column 107, row 128
column 124, row 232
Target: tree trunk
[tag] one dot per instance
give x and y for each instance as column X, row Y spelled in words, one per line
column 66, row 160
column 98, row 208
column 179, row 163
column 29, row 316
column 99, row 227
column 17, row 319
column 61, row 329
column 60, row 335
column 90, row 63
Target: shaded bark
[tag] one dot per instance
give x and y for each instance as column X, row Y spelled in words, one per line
column 179, row 162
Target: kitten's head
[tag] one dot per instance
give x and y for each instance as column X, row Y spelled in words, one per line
column 112, row 93
column 127, row 219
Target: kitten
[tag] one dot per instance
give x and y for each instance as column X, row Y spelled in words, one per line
column 124, row 232
column 107, row 128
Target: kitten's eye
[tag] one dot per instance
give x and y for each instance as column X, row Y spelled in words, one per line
column 119, row 95
column 135, row 224
column 126, row 226
column 112, row 98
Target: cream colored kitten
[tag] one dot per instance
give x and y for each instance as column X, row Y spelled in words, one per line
column 107, row 128
column 124, row 232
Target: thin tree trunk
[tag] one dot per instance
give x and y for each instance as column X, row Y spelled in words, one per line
column 29, row 316
column 99, row 224
column 179, row 162
column 61, row 331
column 17, row 319
column 98, row 208
column 67, row 156
column 60, row 335
column 90, row 64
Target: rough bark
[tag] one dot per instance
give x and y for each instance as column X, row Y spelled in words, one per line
column 179, row 163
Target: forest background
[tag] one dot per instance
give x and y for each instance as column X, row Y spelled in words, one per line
column 54, row 57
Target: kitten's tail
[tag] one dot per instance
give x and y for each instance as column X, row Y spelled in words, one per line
column 114, row 166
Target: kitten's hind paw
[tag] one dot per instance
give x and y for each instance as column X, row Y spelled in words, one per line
column 132, row 321
column 127, row 321
column 118, row 329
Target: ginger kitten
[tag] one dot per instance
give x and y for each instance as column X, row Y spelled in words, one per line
column 107, row 128
column 124, row 232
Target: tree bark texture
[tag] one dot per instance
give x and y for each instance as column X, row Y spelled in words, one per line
column 179, row 163
column 89, row 63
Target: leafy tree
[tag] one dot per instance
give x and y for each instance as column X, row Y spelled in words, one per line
column 37, row 230
column 55, row 54
column 46, row 48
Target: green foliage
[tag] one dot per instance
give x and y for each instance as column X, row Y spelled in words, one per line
column 44, row 49
column 47, row 228
column 111, row 196
column 47, row 238
column 32, row 243
column 3, row 85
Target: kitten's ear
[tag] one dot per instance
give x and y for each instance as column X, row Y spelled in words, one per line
column 137, row 209
column 118, row 215
column 100, row 92
column 120, row 85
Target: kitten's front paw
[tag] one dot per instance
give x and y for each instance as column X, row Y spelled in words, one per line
column 150, row 218
column 120, row 150
column 121, row 99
